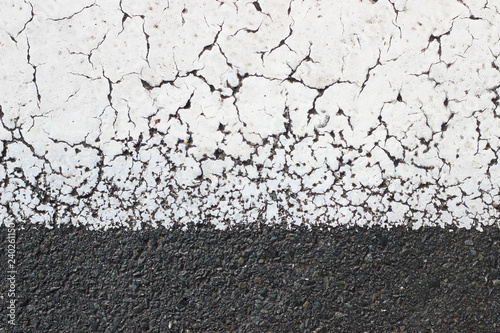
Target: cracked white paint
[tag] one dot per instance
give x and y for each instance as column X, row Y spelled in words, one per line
column 131, row 113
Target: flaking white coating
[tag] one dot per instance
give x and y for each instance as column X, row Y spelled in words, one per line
column 128, row 114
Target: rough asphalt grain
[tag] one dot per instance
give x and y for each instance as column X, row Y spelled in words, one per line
column 255, row 279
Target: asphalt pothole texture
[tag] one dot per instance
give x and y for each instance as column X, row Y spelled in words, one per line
column 256, row 278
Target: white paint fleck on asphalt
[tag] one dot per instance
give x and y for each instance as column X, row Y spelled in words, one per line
column 118, row 113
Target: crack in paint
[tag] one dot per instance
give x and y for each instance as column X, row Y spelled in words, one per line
column 193, row 143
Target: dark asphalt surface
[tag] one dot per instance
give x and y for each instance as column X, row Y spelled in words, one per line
column 254, row 279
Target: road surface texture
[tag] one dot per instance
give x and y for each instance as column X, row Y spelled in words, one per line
column 257, row 278
column 254, row 166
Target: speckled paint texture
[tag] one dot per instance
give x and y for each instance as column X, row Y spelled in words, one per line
column 133, row 113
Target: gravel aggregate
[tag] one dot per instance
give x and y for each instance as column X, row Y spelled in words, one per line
column 255, row 278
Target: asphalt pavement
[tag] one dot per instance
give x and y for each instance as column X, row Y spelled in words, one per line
column 253, row 278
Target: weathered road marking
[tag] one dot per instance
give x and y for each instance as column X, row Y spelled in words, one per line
column 370, row 113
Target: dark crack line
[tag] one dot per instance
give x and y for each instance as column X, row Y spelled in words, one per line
column 124, row 17
column 437, row 38
column 283, row 41
column 247, row 30
column 307, row 58
column 147, row 39
column 74, row 14
column 99, row 164
column 30, row 19
column 95, row 48
column 28, row 57
column 369, row 72
column 211, row 45
column 395, row 22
